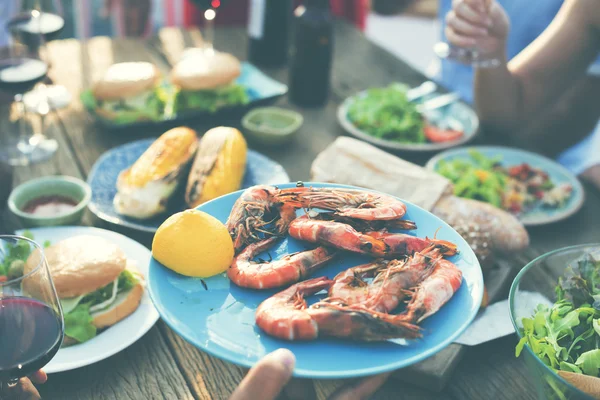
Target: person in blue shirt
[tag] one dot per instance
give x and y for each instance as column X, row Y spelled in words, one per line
column 566, row 127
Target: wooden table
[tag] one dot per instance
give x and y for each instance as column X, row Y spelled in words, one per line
column 163, row 366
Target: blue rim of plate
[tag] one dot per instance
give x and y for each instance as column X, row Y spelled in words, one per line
column 279, row 175
column 475, row 296
column 535, row 160
column 469, row 113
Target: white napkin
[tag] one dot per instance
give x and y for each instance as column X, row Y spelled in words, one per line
column 353, row 162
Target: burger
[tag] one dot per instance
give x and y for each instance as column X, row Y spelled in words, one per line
column 205, row 80
column 128, row 92
column 95, row 282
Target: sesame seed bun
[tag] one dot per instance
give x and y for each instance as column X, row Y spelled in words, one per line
column 127, row 79
column 81, row 264
column 200, row 70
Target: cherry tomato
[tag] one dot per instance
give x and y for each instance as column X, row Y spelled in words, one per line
column 3, row 278
column 437, row 135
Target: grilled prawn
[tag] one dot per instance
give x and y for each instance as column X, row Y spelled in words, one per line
column 287, row 316
column 267, row 275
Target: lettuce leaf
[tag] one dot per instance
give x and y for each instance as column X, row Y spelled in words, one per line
column 78, row 323
column 152, row 110
column 581, row 283
column 211, row 100
column 126, row 281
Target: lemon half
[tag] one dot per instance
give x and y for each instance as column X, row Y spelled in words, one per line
column 193, row 243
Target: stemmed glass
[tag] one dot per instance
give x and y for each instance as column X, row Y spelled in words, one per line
column 471, row 56
column 39, row 22
column 31, row 319
column 20, row 70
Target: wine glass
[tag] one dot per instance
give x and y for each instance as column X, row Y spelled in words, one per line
column 31, row 319
column 470, row 56
column 210, row 8
column 20, row 70
column 39, row 22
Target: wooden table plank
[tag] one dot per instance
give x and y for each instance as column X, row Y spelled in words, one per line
column 145, row 370
column 204, row 374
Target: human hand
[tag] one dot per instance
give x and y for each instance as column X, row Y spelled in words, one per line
column 480, row 24
column 24, row 389
column 272, row 375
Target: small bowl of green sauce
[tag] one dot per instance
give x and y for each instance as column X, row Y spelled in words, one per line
column 272, row 125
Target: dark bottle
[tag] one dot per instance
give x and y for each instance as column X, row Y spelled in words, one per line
column 6, row 182
column 268, row 32
column 312, row 54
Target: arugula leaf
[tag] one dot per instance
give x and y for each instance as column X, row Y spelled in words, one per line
column 589, row 362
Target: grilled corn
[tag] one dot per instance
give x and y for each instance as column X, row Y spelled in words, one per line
column 219, row 166
column 144, row 189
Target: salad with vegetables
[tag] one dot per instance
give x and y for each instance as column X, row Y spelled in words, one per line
column 566, row 336
column 13, row 263
column 386, row 113
column 516, row 189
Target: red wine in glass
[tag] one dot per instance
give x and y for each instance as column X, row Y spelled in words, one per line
column 18, row 75
column 31, row 27
column 30, row 335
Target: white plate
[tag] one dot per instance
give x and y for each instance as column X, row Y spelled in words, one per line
column 119, row 336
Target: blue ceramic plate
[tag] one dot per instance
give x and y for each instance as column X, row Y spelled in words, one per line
column 457, row 115
column 510, row 156
column 103, row 180
column 260, row 88
column 219, row 319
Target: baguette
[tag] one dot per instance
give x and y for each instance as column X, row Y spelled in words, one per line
column 507, row 233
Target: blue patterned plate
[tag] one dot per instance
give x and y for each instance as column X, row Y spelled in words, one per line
column 558, row 174
column 103, row 180
column 218, row 317
column 260, row 88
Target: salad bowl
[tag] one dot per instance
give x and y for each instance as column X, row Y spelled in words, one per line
column 534, row 291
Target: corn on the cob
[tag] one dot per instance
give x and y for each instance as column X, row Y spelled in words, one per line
column 219, row 166
column 145, row 187
column 165, row 156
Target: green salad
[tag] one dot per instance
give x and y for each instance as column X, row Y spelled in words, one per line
column 476, row 178
column 513, row 188
column 386, row 113
column 566, row 336
column 14, row 259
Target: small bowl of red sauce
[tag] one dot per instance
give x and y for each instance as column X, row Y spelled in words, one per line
column 50, row 201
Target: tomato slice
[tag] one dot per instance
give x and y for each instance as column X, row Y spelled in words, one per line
column 437, row 135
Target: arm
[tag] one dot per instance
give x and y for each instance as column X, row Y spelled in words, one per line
column 507, row 95
column 575, row 113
